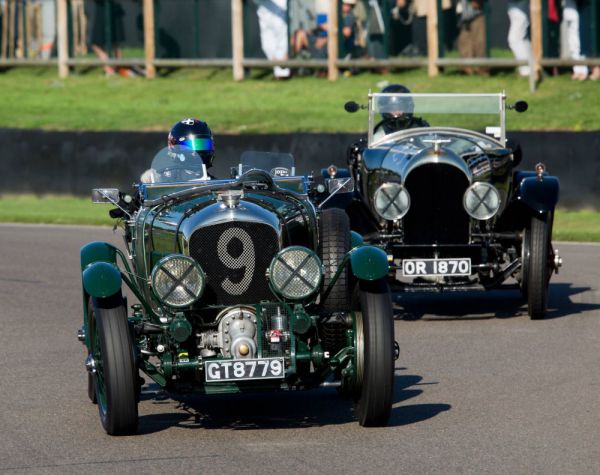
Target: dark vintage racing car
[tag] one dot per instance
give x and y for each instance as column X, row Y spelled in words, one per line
column 443, row 197
column 243, row 285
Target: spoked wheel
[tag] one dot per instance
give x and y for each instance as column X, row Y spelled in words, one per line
column 537, row 266
column 115, row 371
column 375, row 351
column 334, row 243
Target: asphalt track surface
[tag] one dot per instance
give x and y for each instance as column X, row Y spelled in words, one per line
column 479, row 387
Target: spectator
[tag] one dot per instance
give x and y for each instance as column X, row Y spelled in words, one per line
column 349, row 28
column 571, row 21
column 518, row 15
column 272, row 19
column 114, row 12
column 471, row 37
column 313, row 43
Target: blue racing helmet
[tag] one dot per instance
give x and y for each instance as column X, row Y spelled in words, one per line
column 194, row 137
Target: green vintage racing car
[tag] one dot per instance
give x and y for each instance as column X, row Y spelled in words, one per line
column 243, row 284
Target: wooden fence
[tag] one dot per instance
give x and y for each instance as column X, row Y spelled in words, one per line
column 237, row 62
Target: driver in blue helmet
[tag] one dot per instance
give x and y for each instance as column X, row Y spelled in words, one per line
column 397, row 112
column 189, row 154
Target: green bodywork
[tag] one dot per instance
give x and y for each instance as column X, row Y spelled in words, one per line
column 156, row 232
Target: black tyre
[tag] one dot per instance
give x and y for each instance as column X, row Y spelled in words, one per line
column 375, row 353
column 334, row 243
column 116, row 377
column 91, row 381
column 538, row 267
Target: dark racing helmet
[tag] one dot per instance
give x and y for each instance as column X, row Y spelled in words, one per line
column 396, row 111
column 193, row 138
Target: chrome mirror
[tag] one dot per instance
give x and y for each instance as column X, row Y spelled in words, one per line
column 105, row 195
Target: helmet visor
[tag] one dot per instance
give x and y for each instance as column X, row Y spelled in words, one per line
column 197, row 144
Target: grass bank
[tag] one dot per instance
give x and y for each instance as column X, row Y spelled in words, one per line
column 568, row 225
column 36, row 98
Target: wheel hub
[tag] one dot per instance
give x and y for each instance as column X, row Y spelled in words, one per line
column 90, row 364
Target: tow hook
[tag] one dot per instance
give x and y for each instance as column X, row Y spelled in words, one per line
column 396, row 350
column 557, row 261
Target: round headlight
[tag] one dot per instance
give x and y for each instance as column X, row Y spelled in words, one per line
column 178, row 281
column 295, row 272
column 481, row 200
column 391, row 201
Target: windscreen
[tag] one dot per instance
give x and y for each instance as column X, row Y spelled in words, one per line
column 176, row 164
column 479, row 112
column 276, row 164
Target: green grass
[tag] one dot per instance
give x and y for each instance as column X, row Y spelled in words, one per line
column 568, row 225
column 36, row 98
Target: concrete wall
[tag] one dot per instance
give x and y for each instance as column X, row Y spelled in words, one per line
column 41, row 162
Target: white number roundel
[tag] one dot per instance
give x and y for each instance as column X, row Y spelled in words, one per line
column 244, row 261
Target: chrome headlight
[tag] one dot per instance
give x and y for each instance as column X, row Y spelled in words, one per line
column 295, row 273
column 481, row 200
column 392, row 201
column 178, row 281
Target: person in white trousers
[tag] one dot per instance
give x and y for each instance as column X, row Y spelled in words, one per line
column 272, row 19
column 571, row 20
column 518, row 15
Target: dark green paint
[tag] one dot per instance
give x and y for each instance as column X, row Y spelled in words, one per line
column 101, row 279
column 369, row 263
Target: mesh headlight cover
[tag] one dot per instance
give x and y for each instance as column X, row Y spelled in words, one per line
column 295, row 272
column 178, row 281
column 481, row 201
column 392, row 201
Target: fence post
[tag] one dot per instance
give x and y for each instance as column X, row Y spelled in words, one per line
column 333, row 46
column 149, row 44
column 237, row 39
column 535, row 14
column 63, row 40
column 432, row 38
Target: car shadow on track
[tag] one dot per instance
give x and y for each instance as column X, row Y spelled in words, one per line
column 487, row 305
column 282, row 410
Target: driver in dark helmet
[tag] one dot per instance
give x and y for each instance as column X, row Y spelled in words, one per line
column 189, row 154
column 396, row 112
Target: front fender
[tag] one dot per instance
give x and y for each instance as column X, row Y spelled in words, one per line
column 101, row 279
column 539, row 195
column 369, row 263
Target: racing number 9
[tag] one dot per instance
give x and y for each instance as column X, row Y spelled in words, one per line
column 245, row 260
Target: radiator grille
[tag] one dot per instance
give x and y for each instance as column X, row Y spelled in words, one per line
column 235, row 257
column 436, row 214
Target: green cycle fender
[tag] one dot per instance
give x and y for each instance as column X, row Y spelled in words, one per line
column 369, row 263
column 101, row 279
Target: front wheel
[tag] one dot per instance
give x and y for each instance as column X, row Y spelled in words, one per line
column 116, row 374
column 537, row 266
column 375, row 351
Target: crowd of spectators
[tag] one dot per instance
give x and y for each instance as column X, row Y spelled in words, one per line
column 374, row 29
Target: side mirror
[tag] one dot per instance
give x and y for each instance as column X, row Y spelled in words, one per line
column 519, row 106
column 105, row 195
column 351, row 106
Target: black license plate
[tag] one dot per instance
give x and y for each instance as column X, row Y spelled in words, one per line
column 436, row 267
column 240, row 370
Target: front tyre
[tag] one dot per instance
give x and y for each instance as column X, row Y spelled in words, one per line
column 334, row 244
column 116, row 374
column 375, row 353
column 539, row 266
